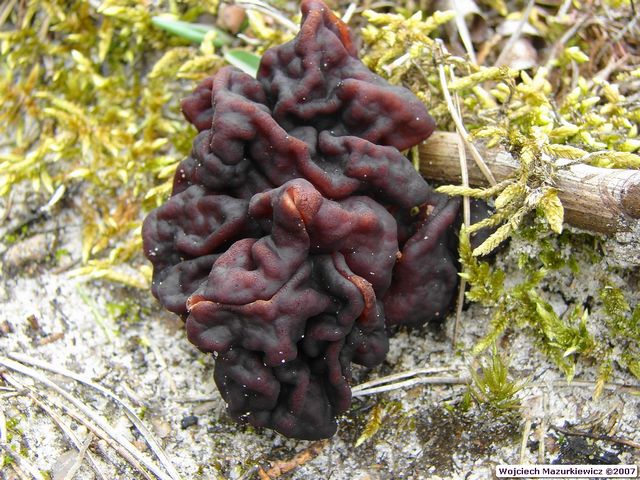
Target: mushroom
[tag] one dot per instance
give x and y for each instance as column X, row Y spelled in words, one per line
column 297, row 231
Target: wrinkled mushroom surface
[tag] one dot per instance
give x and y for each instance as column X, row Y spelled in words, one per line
column 297, row 231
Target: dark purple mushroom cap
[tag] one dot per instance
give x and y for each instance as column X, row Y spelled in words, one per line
column 291, row 230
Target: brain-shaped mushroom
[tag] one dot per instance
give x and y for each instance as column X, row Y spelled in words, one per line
column 297, row 231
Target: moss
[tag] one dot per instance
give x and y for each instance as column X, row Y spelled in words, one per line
column 387, row 416
column 126, row 311
column 623, row 322
column 569, row 337
column 492, row 386
column 538, row 119
column 101, row 115
column 14, row 441
column 13, row 427
column 142, row 412
column 6, row 460
column 576, row 450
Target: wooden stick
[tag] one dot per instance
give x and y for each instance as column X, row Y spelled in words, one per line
column 282, row 467
column 600, row 200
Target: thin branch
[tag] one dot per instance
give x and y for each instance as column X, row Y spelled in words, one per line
column 607, row 438
column 601, row 200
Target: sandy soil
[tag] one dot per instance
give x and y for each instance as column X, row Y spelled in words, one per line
column 121, row 340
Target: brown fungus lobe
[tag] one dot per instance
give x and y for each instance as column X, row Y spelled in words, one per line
column 289, row 244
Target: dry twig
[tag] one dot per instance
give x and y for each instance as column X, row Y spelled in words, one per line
column 607, row 438
column 282, row 467
column 600, row 200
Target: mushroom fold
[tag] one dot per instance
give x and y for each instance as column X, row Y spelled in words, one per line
column 297, row 232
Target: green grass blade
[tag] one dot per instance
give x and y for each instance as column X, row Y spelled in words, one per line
column 194, row 32
column 246, row 61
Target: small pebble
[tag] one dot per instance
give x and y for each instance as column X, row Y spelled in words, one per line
column 141, row 445
column 231, row 18
column 204, row 408
column 189, row 421
column 6, row 328
column 34, row 249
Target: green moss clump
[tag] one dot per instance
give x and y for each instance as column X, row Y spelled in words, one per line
column 624, row 324
column 92, row 95
column 493, row 387
column 546, row 117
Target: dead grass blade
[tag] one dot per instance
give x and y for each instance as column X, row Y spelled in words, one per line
column 78, row 417
column 100, row 426
column 389, row 382
column 57, row 419
column 80, row 458
column 154, row 445
column 458, row 121
column 515, row 35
